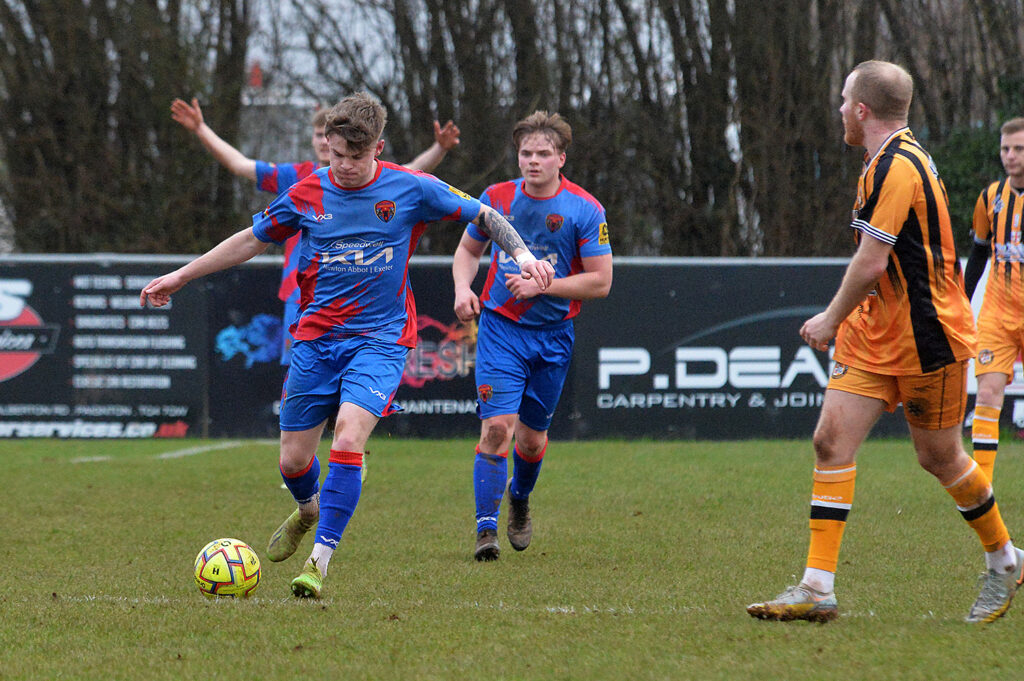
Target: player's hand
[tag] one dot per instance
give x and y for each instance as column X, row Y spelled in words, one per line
column 467, row 305
column 522, row 288
column 447, row 137
column 540, row 271
column 189, row 116
column 158, row 292
column 818, row 331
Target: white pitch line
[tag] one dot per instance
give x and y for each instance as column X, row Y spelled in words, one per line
column 179, row 453
column 192, row 451
column 378, row 603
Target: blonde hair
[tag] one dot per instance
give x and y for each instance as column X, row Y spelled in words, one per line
column 1012, row 126
column 885, row 88
column 319, row 117
column 551, row 125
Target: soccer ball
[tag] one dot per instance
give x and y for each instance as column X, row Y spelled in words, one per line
column 227, row 567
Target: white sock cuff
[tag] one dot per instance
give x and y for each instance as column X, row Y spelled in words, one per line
column 822, row 581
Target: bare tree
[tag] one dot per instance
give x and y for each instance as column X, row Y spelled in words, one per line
column 706, row 127
column 93, row 161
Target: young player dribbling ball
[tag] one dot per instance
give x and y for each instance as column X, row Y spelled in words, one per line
column 359, row 220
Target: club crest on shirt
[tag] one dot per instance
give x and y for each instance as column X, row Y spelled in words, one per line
column 554, row 222
column 985, row 357
column 385, row 210
column 997, row 205
column 485, row 392
column 839, row 370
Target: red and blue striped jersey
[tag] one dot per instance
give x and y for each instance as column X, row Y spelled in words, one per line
column 355, row 245
column 275, row 178
column 561, row 229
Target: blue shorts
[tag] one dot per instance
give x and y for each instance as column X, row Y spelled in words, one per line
column 291, row 313
column 326, row 372
column 520, row 369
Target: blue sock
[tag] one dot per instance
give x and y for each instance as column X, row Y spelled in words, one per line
column 304, row 484
column 339, row 496
column 490, row 471
column 524, row 473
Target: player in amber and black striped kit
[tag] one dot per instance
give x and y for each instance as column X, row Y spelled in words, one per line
column 997, row 232
column 904, row 332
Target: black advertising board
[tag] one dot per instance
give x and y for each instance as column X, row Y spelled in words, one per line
column 244, row 316
column 79, row 358
column 682, row 348
column 438, row 391
column 437, row 394
column 706, row 349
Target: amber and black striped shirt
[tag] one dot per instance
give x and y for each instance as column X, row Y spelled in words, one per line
column 997, row 218
column 918, row 318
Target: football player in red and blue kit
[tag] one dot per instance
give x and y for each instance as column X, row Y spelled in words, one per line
column 525, row 338
column 277, row 177
column 359, row 220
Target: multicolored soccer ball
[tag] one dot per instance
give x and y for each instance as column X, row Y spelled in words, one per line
column 227, row 567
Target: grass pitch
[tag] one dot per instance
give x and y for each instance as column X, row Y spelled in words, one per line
column 644, row 556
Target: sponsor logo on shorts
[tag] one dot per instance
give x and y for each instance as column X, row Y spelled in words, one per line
column 485, row 392
column 839, row 370
column 554, row 222
column 915, row 407
column 378, row 394
column 385, row 210
column 985, row 357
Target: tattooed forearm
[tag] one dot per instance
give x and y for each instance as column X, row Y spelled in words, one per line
column 500, row 231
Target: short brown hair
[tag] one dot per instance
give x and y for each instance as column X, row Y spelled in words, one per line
column 885, row 88
column 359, row 119
column 1012, row 126
column 319, row 117
column 551, row 125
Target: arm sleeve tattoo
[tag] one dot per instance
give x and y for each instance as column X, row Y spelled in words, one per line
column 500, row 230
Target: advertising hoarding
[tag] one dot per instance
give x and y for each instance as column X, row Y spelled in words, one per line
column 682, row 348
column 79, row 358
